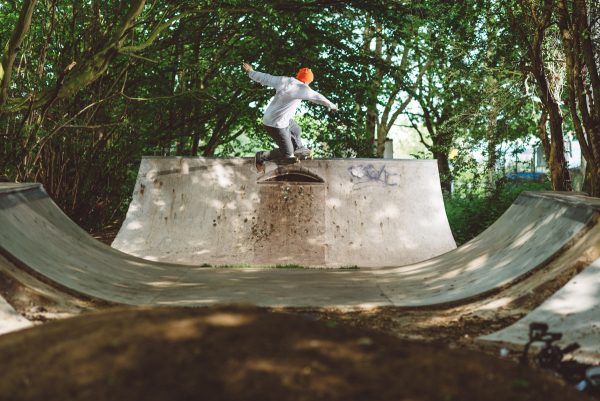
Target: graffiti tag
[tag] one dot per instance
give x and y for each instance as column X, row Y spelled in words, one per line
column 368, row 174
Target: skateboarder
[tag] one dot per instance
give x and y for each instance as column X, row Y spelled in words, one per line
column 278, row 122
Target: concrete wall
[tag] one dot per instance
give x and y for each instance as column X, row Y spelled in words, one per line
column 350, row 212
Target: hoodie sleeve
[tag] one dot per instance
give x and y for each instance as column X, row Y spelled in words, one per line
column 316, row 97
column 267, row 80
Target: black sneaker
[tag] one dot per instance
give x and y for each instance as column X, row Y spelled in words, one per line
column 303, row 153
column 286, row 160
column 258, row 162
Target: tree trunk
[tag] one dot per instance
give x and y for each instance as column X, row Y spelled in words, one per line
column 372, row 117
column 554, row 149
column 382, row 132
column 581, row 71
column 559, row 172
column 195, row 141
column 492, row 140
column 444, row 171
column 18, row 35
column 591, row 180
column 533, row 32
column 561, row 179
column 371, row 129
column 542, row 130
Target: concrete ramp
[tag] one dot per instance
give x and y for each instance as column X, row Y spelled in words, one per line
column 536, row 228
column 574, row 311
column 10, row 320
column 320, row 213
column 37, row 237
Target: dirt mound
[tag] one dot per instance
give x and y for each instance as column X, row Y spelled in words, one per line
column 244, row 353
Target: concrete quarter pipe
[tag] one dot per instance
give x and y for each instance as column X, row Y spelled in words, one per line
column 10, row 320
column 320, row 213
column 573, row 311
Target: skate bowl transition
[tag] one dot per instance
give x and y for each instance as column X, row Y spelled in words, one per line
column 537, row 231
column 573, row 311
column 37, row 236
column 319, row 213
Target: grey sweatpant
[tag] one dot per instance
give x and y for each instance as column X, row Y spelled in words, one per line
column 287, row 139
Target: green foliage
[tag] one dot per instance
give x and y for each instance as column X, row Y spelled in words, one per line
column 181, row 90
column 472, row 211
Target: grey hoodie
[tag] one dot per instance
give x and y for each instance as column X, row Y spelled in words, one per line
column 289, row 92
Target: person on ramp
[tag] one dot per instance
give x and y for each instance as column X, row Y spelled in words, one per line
column 278, row 118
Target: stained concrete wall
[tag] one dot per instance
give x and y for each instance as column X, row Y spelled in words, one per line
column 351, row 212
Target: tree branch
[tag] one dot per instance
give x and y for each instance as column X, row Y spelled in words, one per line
column 18, row 35
column 85, row 73
column 153, row 35
column 416, row 128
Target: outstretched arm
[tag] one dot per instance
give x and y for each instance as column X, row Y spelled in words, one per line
column 316, row 97
column 262, row 78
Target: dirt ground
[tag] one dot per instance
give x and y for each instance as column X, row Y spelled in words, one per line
column 248, row 353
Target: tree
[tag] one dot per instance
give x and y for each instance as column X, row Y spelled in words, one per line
column 10, row 53
column 88, row 88
column 397, row 67
column 580, row 32
column 449, row 94
column 531, row 21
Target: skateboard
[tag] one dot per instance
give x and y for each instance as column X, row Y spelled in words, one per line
column 301, row 154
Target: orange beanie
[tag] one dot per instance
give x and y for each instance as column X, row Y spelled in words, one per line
column 305, row 75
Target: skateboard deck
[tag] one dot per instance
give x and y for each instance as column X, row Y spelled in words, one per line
column 261, row 167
